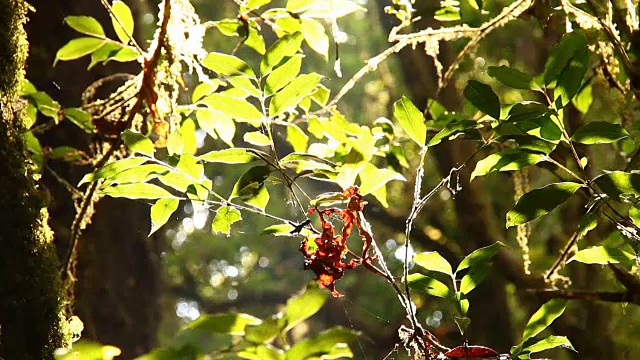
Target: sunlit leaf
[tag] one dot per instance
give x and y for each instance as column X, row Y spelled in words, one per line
column 315, row 36
column 80, row 118
column 601, row 255
column 257, row 138
column 582, row 102
column 229, row 156
column 225, row 217
column 432, row 261
column 483, row 98
column 570, row 78
column 85, row 349
column 255, row 40
column 250, row 187
column 225, row 64
column 217, row 125
column 161, row 212
column 411, row 120
column 137, row 191
column 86, row 25
column 303, row 306
column 122, row 21
column 230, row 106
column 288, row 45
column 289, row 97
column 283, row 75
column 480, row 256
column 137, row 142
column 540, row 201
column 322, row 344
column 599, row 132
column 112, row 169
column 542, row 318
column 371, row 181
column 506, row 160
column 474, row 277
column 245, row 84
column 562, row 53
column 619, row 184
column 228, row 323
column 550, row 342
column 453, row 130
column 332, row 9
column 511, row 77
column 429, row 285
column 78, row 48
column 297, row 138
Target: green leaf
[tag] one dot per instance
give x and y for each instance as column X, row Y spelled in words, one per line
column 527, row 110
column 371, row 181
column 232, row 107
column 599, row 132
column 230, row 156
column 584, row 99
column 619, row 184
column 86, row 25
column 562, row 53
column 474, row 277
column 315, row 36
column 480, row 256
column 78, row 48
column 161, row 211
column 288, row 45
column 453, row 129
column 245, row 84
column 257, row 138
column 411, row 120
column 322, row 344
column 278, row 230
column 80, row 118
column 303, row 306
column 506, row 160
column 190, row 166
column 433, row 261
column 297, row 138
column 570, row 78
column 511, row 77
column 85, row 349
column 229, row 323
column 122, row 21
column 541, row 201
column 283, row 75
column 255, row 40
column 217, row 125
column 483, row 98
column 188, row 134
column 289, row 97
column 137, row 191
column 250, row 187
column 228, row 65
column 429, row 285
column 550, row 342
column 32, row 143
column 332, row 9
column 137, row 142
column 298, row 6
column 141, row 173
column 66, row 153
column 601, row 255
column 542, row 318
column 225, row 217
column 112, row 169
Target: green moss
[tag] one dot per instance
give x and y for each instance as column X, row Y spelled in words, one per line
column 30, row 295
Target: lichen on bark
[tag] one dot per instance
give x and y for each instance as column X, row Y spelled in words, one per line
column 31, row 325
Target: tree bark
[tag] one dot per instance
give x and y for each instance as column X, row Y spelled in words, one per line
column 30, row 295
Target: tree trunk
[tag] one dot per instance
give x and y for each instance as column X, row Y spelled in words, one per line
column 30, row 296
column 118, row 288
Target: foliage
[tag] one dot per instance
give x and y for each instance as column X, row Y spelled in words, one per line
column 293, row 134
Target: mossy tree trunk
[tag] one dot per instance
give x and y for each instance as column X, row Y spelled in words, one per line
column 30, row 300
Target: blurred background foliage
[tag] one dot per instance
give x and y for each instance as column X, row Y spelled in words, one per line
column 191, row 271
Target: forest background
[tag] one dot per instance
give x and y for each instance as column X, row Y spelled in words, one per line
column 541, row 92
